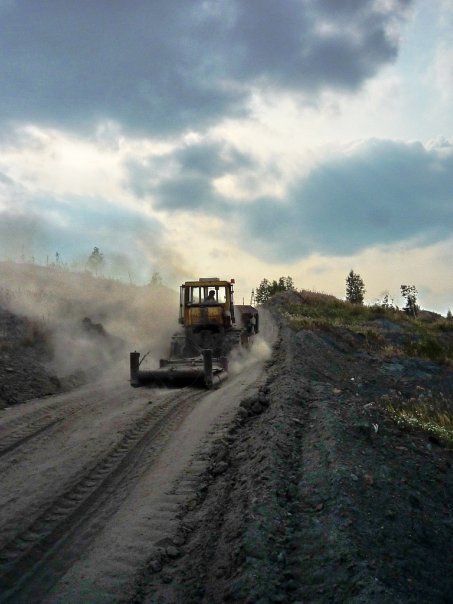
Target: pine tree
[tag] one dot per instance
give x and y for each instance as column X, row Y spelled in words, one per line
column 355, row 288
column 387, row 302
column 263, row 291
column 289, row 283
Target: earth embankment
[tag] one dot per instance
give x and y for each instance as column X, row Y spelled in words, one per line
column 320, row 496
column 297, row 480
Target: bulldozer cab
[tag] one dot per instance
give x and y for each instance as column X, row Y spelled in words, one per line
column 207, row 301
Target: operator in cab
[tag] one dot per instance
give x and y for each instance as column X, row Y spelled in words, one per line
column 211, row 298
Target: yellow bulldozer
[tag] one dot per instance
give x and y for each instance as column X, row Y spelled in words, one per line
column 211, row 327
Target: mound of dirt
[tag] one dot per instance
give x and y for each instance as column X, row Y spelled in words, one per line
column 25, row 351
column 315, row 494
column 59, row 327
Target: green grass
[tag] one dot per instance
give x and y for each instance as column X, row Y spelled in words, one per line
column 315, row 310
column 426, row 336
column 430, row 340
column 429, row 347
column 427, row 413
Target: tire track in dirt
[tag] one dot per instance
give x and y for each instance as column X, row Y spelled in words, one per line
column 32, row 415
column 19, row 430
column 154, row 540
column 146, row 528
column 55, row 442
column 35, row 558
column 26, row 433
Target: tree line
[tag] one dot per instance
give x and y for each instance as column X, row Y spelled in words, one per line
column 355, row 293
column 266, row 288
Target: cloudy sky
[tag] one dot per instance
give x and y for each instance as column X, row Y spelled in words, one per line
column 232, row 138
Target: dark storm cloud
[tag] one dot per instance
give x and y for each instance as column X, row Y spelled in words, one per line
column 212, row 159
column 310, row 46
column 184, row 178
column 383, row 193
column 188, row 193
column 162, row 66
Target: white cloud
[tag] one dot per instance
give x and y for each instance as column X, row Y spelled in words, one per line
column 442, row 72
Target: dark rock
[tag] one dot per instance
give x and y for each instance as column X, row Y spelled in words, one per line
column 172, row 551
column 257, row 408
column 219, row 468
column 155, row 566
column 263, row 398
column 167, row 577
column 179, row 540
column 248, row 403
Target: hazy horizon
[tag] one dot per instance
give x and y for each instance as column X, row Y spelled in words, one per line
column 241, row 140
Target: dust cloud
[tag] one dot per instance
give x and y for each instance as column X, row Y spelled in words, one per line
column 92, row 323
column 243, row 359
column 260, row 350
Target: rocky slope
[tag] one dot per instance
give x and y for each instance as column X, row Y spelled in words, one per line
column 316, row 494
column 57, row 327
column 27, row 355
column 24, row 351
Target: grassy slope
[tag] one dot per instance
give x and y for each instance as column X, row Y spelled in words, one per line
column 429, row 336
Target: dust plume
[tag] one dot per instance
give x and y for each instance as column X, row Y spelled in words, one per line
column 261, row 349
column 91, row 323
column 242, row 359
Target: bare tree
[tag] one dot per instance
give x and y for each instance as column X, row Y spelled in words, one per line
column 409, row 293
column 156, row 280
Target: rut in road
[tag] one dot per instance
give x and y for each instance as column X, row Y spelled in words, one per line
column 34, row 560
column 21, row 429
column 26, row 433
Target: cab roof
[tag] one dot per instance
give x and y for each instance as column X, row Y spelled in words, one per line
column 207, row 283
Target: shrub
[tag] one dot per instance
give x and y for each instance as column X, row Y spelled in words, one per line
column 426, row 412
column 409, row 293
column 428, row 347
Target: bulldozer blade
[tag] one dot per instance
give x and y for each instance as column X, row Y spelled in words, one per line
column 206, row 373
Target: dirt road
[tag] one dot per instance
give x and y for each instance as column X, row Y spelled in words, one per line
column 290, row 483
column 92, row 481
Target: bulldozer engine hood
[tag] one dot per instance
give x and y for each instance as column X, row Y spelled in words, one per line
column 205, row 315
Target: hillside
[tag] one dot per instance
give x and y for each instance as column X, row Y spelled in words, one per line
column 59, row 328
column 334, row 484
column 320, row 471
